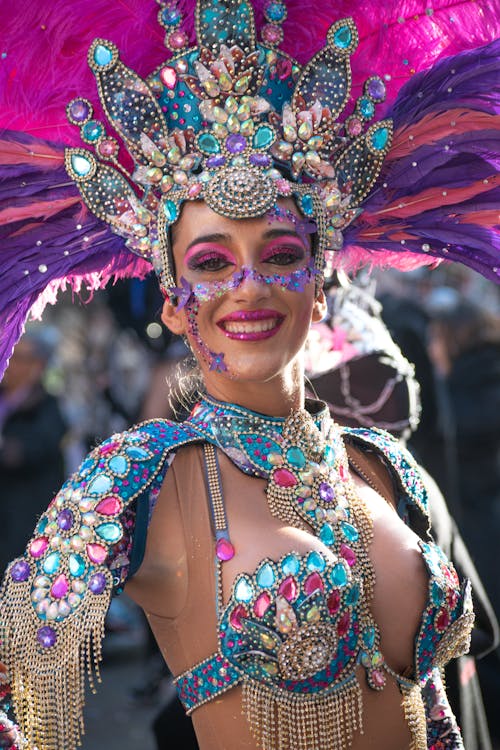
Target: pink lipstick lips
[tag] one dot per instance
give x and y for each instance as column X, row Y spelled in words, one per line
column 251, row 325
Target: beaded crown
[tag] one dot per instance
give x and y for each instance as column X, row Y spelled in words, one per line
column 232, row 121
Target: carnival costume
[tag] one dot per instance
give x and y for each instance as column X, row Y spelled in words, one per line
column 239, row 124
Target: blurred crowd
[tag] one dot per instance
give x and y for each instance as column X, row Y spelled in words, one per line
column 87, row 371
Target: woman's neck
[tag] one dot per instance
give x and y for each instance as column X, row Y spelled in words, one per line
column 276, row 397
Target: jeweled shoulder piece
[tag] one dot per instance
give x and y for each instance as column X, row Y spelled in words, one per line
column 232, row 121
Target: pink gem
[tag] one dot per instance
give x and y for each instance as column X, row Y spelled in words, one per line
column 443, row 620
column 195, row 189
column 224, row 550
column 452, row 598
column 38, row 546
column 262, row 604
column 343, row 624
column 236, row 616
column 333, row 602
column 110, row 446
column 378, row 678
column 60, row 587
column 283, row 186
column 313, row 583
column 288, row 588
column 110, row 506
column 285, row 478
column 168, row 76
column 177, row 40
column 354, row 126
column 348, row 554
column 107, row 147
column 97, row 553
column 343, row 472
column 283, row 68
column 271, row 34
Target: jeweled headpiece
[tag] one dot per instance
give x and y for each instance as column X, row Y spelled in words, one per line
column 233, row 122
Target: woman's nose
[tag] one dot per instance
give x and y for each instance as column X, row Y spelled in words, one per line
column 252, row 286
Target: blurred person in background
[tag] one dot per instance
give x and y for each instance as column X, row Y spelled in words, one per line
column 32, row 429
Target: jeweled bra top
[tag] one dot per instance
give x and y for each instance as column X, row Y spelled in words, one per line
column 294, row 630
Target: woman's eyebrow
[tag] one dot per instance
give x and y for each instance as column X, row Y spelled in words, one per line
column 216, row 237
column 279, row 232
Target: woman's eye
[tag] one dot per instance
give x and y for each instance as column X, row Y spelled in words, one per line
column 210, row 262
column 285, row 257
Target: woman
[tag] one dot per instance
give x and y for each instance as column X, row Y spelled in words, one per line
column 267, row 548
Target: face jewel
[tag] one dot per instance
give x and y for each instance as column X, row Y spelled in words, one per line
column 284, row 478
column 102, row 55
column 235, row 143
column 286, row 619
column 99, row 485
column 60, row 587
column 339, row 576
column 118, row 464
column 313, row 583
column 65, row 519
column 315, row 562
column 348, row 554
column 380, row 138
column 262, row 604
column 290, row 565
column 76, row 565
column 326, row 492
column 333, row 602
column 97, row 553
column 326, row 535
column 110, row 532
column 79, row 110
column 80, row 164
column 20, row 571
column 97, row 583
column 224, row 550
column 296, row 457
column 289, row 589
column 243, row 591
column 349, row 531
column 51, row 564
column 46, row 636
column 266, row 576
column 109, row 506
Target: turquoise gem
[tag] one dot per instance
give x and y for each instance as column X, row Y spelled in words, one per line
column 290, row 565
column 342, row 38
column 275, row 12
column 102, row 483
column 349, row 531
column 296, row 457
column 51, row 564
column 263, row 137
column 110, row 532
column 315, row 562
column 92, row 130
column 171, row 211
column 137, row 453
column 87, row 466
column 243, row 591
column 208, row 143
column 369, row 637
column 102, row 55
column 437, row 593
column 80, row 164
column 338, row 576
column 307, row 204
column 265, row 577
column 367, row 108
column 42, row 524
column 352, row 596
column 329, row 455
column 326, row 535
column 118, row 464
column 379, row 138
column 76, row 565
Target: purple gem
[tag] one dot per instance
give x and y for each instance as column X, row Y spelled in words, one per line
column 260, row 160
column 65, row 519
column 79, row 110
column 216, row 161
column 326, row 492
column 376, row 89
column 97, row 583
column 46, row 636
column 236, row 143
column 20, row 571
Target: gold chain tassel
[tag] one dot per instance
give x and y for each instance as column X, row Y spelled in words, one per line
column 414, row 710
column 48, row 684
column 285, row 721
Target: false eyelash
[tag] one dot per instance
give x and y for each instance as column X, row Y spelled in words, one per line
column 295, row 253
column 196, row 262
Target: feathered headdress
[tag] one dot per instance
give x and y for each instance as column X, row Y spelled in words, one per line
column 436, row 195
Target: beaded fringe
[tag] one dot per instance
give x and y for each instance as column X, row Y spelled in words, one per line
column 414, row 710
column 287, row 721
column 48, row 684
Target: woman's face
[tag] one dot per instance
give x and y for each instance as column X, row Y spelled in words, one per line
column 242, row 317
